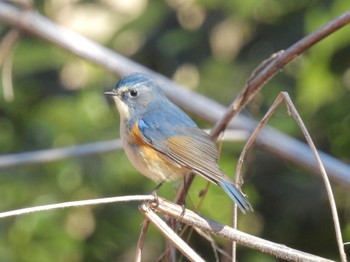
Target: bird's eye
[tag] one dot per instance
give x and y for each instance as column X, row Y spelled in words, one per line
column 133, row 93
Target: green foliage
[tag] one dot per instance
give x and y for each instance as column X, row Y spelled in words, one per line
column 59, row 102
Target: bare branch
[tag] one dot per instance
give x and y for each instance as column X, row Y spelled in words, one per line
column 169, row 233
column 295, row 114
column 76, row 204
column 190, row 218
column 283, row 96
column 274, row 64
column 287, row 148
column 141, row 241
column 47, row 155
column 7, row 45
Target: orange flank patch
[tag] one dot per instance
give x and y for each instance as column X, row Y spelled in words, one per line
column 149, row 162
column 136, row 136
column 147, row 152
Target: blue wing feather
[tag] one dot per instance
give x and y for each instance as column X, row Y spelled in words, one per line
column 162, row 123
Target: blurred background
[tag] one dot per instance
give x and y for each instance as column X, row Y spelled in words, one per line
column 210, row 46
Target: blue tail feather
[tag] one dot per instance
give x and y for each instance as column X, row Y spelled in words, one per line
column 235, row 195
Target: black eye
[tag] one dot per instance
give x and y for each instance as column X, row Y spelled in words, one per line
column 133, row 93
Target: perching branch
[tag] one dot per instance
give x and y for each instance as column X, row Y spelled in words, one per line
column 189, row 218
column 80, row 203
column 288, row 148
column 213, row 227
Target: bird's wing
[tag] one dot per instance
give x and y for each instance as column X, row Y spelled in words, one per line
column 188, row 146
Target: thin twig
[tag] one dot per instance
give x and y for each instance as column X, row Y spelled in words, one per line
column 7, row 77
column 295, row 114
column 235, row 226
column 216, row 249
column 90, row 202
column 141, row 241
column 169, row 233
column 283, row 96
column 7, row 45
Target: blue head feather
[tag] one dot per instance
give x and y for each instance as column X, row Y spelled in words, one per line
column 134, row 79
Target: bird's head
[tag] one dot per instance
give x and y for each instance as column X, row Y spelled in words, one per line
column 135, row 93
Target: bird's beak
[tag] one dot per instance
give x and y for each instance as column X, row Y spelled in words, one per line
column 110, row 93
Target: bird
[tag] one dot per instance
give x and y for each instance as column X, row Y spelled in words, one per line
column 161, row 141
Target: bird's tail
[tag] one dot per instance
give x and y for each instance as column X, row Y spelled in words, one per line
column 235, row 195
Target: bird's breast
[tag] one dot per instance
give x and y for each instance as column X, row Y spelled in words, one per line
column 146, row 159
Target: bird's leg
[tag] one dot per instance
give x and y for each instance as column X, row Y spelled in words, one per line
column 182, row 200
column 181, row 194
column 154, row 192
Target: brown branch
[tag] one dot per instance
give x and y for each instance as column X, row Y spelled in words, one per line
column 185, row 216
column 283, row 96
column 140, row 243
column 273, row 65
column 190, row 218
column 147, row 211
column 7, row 46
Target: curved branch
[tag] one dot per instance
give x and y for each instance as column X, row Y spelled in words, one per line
column 271, row 66
column 190, row 218
column 187, row 217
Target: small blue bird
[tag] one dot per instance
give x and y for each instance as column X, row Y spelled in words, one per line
column 161, row 141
